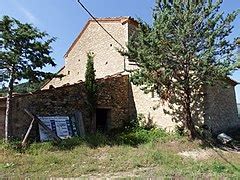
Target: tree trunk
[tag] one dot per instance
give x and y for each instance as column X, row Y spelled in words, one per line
column 192, row 132
column 189, row 124
column 93, row 122
column 8, row 107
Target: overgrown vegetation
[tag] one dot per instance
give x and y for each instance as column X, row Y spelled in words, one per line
column 139, row 152
column 186, row 48
column 133, row 136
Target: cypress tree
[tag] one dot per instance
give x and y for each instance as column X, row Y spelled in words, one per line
column 91, row 89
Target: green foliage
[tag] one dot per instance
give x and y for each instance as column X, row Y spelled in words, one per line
column 79, row 158
column 98, row 140
column 139, row 122
column 218, row 167
column 141, row 135
column 28, row 87
column 24, row 50
column 14, row 146
column 25, row 87
column 90, row 82
column 38, row 148
column 184, row 49
column 133, row 137
column 238, row 50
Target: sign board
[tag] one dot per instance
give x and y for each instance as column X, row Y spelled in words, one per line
column 60, row 125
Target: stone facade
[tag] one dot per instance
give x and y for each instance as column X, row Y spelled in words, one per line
column 93, row 38
column 152, row 109
column 220, row 109
column 108, row 61
column 115, row 94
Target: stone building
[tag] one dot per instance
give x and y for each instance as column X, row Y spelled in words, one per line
column 219, row 112
column 107, row 62
column 115, row 106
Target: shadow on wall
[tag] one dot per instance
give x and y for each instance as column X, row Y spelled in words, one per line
column 221, row 109
column 178, row 114
column 131, row 105
column 213, row 107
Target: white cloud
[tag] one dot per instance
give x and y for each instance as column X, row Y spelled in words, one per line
column 28, row 15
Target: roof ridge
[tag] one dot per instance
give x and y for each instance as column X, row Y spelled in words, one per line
column 122, row 19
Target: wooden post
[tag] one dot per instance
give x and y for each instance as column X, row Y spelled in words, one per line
column 48, row 130
column 24, row 142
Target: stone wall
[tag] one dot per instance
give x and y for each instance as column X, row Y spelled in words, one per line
column 107, row 59
column 152, row 109
column 221, row 108
column 113, row 94
column 123, row 99
column 220, row 103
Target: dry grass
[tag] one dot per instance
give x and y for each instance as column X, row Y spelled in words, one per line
column 155, row 158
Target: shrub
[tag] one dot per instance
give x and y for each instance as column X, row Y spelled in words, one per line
column 141, row 135
column 97, row 139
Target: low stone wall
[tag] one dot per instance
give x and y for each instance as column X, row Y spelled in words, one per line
column 113, row 94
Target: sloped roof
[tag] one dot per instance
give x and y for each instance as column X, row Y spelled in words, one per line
column 122, row 20
column 51, row 78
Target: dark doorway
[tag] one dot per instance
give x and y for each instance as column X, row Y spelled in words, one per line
column 102, row 119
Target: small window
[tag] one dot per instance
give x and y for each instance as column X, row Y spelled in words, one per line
column 68, row 72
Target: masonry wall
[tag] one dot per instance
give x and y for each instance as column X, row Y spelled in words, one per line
column 107, row 59
column 113, row 94
column 221, row 108
column 152, row 109
column 218, row 109
column 220, row 103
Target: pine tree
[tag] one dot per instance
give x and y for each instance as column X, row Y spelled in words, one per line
column 186, row 48
column 91, row 90
column 24, row 51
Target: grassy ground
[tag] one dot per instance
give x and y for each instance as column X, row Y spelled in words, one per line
column 140, row 153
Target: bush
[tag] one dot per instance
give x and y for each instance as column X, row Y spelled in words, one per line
column 12, row 145
column 97, row 139
column 133, row 137
column 37, row 148
column 142, row 135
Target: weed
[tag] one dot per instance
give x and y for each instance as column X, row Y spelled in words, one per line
column 97, row 140
column 135, row 149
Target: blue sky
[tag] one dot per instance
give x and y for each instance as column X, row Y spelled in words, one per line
column 65, row 18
